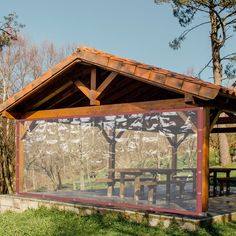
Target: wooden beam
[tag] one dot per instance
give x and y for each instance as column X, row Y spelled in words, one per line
column 82, row 88
column 189, row 98
column 51, row 95
column 204, row 137
column 108, row 109
column 21, row 158
column 32, row 125
column 106, row 82
column 93, row 79
column 184, row 118
column 230, row 114
column 226, row 120
column 62, row 98
column 224, row 130
column 93, row 87
column 214, row 119
column 86, row 91
column 10, row 115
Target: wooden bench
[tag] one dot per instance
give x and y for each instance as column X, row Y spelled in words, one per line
column 111, row 184
column 150, row 183
column 224, row 182
column 152, row 188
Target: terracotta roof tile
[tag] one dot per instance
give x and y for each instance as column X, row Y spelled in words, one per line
column 191, row 85
column 150, row 74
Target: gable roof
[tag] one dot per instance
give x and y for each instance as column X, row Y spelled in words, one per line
column 145, row 73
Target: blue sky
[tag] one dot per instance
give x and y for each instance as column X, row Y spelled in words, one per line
column 136, row 29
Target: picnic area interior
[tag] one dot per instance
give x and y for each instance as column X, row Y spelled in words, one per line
column 105, row 130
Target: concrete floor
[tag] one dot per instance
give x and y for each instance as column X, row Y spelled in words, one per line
column 217, row 205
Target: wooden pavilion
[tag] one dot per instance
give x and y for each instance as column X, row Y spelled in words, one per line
column 97, row 86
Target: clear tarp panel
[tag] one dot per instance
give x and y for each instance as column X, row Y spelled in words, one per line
column 147, row 159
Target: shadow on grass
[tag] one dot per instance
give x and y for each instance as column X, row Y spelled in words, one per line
column 57, row 223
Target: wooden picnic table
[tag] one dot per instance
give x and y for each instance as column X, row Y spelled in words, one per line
column 194, row 173
column 137, row 173
column 215, row 171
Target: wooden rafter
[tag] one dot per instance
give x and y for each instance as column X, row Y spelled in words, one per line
column 8, row 115
column 93, row 93
column 226, row 120
column 82, row 88
column 106, row 82
column 62, row 98
column 51, row 95
column 214, row 118
column 184, row 118
column 189, row 98
column 224, row 130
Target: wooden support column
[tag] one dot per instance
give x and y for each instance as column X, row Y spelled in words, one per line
column 112, row 161
column 111, row 139
column 204, row 135
column 20, row 158
column 93, row 88
column 174, row 154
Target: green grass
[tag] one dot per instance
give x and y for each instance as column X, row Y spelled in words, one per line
column 54, row 222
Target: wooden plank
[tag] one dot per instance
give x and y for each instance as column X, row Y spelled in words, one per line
column 82, row 88
column 205, row 159
column 87, row 92
column 106, row 82
column 8, row 115
column 51, row 95
column 62, row 98
column 31, row 126
column 224, row 130
column 184, row 118
column 108, row 109
column 213, row 120
column 93, row 79
column 93, row 87
column 21, row 158
column 226, row 120
column 189, row 98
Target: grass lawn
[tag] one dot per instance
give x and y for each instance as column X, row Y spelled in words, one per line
column 54, row 222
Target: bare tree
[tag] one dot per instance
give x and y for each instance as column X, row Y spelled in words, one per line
column 20, row 62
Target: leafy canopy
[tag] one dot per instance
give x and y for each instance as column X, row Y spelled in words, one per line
column 223, row 26
column 9, row 29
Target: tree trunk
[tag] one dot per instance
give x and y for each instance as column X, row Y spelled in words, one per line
column 224, row 150
column 217, row 73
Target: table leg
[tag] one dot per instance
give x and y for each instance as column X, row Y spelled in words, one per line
column 194, row 181
column 122, row 185
column 214, row 183
column 110, row 189
column 228, row 182
column 136, row 187
column 168, row 187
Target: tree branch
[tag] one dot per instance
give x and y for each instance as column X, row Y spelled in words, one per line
column 207, row 65
column 228, row 57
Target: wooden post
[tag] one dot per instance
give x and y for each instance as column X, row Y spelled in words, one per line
column 205, row 158
column 174, row 154
column 20, row 159
column 93, row 87
column 111, row 162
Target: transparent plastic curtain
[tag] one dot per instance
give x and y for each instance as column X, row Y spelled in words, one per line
column 147, row 159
